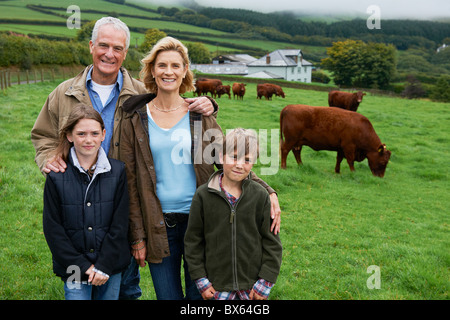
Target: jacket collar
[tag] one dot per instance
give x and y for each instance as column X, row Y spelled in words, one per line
column 78, row 87
column 101, row 166
column 137, row 102
column 213, row 182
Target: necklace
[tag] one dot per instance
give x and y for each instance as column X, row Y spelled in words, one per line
column 170, row 110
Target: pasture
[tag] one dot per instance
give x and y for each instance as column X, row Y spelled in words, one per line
column 333, row 226
column 133, row 17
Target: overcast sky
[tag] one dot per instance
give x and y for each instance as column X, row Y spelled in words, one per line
column 421, row 9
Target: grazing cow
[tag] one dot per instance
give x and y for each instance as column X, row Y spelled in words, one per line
column 238, row 90
column 205, row 86
column 221, row 90
column 265, row 90
column 345, row 100
column 278, row 91
column 322, row 128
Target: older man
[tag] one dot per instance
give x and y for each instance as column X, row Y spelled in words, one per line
column 105, row 85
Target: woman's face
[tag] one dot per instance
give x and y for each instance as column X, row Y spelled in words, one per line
column 169, row 71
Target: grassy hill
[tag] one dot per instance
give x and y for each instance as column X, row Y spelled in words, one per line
column 244, row 31
column 27, row 17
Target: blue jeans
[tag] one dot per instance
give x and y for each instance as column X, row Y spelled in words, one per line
column 166, row 276
column 129, row 288
column 80, row 291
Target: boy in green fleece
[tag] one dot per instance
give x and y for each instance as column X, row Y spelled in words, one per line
column 229, row 249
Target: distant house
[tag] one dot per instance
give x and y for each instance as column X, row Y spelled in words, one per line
column 226, row 64
column 282, row 64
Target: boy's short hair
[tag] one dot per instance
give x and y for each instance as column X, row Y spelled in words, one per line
column 244, row 141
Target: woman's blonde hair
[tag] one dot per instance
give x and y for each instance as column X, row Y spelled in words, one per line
column 148, row 64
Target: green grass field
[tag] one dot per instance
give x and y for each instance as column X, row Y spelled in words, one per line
column 333, row 226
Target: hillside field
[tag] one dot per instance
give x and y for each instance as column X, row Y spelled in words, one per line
column 216, row 41
column 334, row 226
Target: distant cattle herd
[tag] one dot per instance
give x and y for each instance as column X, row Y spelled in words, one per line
column 339, row 128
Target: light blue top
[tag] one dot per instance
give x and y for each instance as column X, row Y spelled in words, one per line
column 175, row 177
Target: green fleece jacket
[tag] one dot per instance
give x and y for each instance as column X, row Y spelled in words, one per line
column 232, row 246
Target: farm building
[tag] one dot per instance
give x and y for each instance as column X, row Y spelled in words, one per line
column 226, row 64
column 285, row 64
column 279, row 64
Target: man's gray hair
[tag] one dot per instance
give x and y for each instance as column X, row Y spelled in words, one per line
column 118, row 25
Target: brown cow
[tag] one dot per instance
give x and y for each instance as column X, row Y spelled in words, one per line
column 205, row 86
column 238, row 90
column 265, row 90
column 221, row 90
column 278, row 91
column 345, row 100
column 322, row 128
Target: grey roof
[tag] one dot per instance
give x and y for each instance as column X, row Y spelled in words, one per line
column 264, row 75
column 306, row 63
column 226, row 68
column 244, row 58
column 280, row 58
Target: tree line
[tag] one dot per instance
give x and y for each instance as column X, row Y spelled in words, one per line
column 286, row 27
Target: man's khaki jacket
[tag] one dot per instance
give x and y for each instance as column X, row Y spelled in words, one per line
column 59, row 104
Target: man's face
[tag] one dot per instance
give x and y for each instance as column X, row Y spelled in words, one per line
column 108, row 53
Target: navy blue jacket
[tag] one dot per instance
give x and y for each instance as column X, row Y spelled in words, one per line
column 86, row 222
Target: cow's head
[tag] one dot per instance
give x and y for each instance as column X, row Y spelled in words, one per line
column 378, row 160
column 359, row 96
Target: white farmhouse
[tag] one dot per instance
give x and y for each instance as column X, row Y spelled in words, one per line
column 282, row 64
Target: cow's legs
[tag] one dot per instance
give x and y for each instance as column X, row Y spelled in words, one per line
column 284, row 154
column 284, row 148
column 297, row 153
column 350, row 156
column 339, row 157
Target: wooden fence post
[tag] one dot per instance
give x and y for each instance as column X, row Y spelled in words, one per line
column 5, row 84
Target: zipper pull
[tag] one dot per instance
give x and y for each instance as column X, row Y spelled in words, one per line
column 233, row 212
